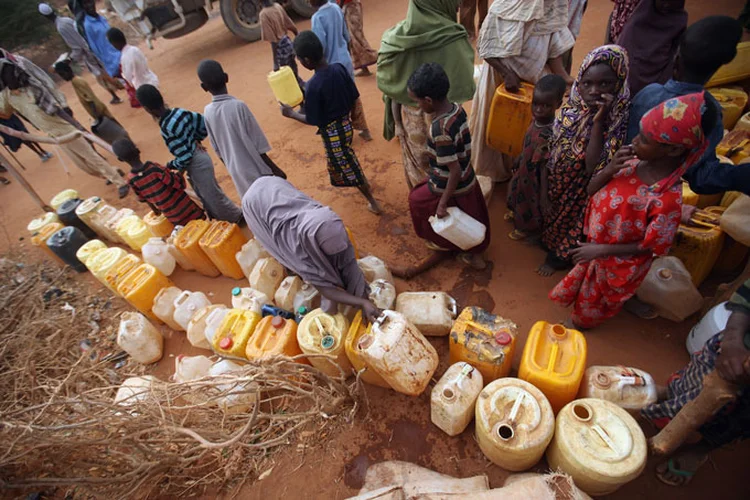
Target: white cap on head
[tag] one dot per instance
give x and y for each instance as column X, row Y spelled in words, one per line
column 45, row 9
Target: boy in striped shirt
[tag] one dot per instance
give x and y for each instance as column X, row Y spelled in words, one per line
column 183, row 131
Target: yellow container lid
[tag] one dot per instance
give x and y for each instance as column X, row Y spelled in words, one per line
column 105, row 259
column 89, row 249
column 88, row 205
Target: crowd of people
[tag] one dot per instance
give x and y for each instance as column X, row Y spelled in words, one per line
column 597, row 183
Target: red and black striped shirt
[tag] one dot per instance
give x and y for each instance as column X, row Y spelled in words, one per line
column 165, row 189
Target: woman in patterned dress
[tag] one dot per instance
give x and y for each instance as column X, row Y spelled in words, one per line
column 634, row 211
column 363, row 55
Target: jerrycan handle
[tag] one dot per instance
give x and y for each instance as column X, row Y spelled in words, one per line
column 181, row 298
column 453, row 306
column 597, row 429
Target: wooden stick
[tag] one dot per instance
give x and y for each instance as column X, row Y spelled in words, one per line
column 17, row 175
column 725, row 290
column 56, row 140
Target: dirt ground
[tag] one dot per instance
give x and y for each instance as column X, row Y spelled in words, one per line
column 397, row 427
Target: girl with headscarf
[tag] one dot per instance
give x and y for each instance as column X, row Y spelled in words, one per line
column 651, row 37
column 634, row 212
column 589, row 130
column 310, row 240
column 429, row 33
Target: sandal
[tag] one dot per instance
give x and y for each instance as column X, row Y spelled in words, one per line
column 517, row 235
column 685, row 476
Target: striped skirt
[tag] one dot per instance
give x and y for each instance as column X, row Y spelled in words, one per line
column 343, row 165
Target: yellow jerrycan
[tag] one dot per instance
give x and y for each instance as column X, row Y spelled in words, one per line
column 221, row 242
column 732, row 102
column 41, row 237
column 159, row 225
column 322, row 333
column 235, row 331
column 743, row 123
column 141, row 286
column 698, row 244
column 36, row 224
column 554, row 360
column 284, row 85
column 187, row 242
column 274, row 336
column 358, row 328
column 103, row 261
column 510, row 117
column 89, row 249
column 63, row 196
column 120, row 270
column 737, row 69
column 735, row 146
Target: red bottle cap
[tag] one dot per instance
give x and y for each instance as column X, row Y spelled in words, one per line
column 226, row 343
column 278, row 322
column 503, row 338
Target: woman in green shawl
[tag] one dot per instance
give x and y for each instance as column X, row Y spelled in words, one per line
column 429, row 33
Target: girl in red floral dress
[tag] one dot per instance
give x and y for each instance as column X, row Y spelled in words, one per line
column 634, row 211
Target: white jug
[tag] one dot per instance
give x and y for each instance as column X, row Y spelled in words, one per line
column 196, row 330
column 134, row 390
column 213, row 322
column 187, row 368
column 186, row 305
column 239, row 397
column 712, row 323
column 459, row 228
column 285, row 294
column 432, row 312
column 156, row 253
column 267, row 275
column 454, row 396
column 139, row 338
column 307, row 297
column 164, row 306
column 374, row 269
column 249, row 299
column 628, row 388
column 249, row 255
column 175, row 252
column 382, row 294
column 669, row 288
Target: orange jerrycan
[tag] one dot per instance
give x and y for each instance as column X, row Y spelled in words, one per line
column 141, row 286
column 485, row 341
column 510, row 117
column 274, row 336
column 358, row 328
column 554, row 360
column 285, row 87
column 233, row 334
column 698, row 244
column 41, row 237
column 117, row 273
column 221, row 242
column 187, row 242
column 159, row 225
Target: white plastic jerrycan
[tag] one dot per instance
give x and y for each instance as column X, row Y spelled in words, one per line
column 459, row 228
column 196, row 330
column 374, row 269
column 249, row 255
column 156, row 253
column 164, row 306
column 239, row 396
column 454, row 396
column 186, row 305
column 432, row 312
column 249, row 299
column 187, row 368
column 175, row 252
column 213, row 322
column 669, row 288
column 382, row 294
column 139, row 338
column 628, row 388
column 287, row 291
column 712, row 323
column 134, row 390
column 307, row 297
column 267, row 275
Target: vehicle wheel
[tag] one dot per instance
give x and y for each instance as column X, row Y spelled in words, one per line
column 241, row 17
column 302, row 7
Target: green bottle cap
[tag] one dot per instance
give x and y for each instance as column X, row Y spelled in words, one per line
column 236, row 291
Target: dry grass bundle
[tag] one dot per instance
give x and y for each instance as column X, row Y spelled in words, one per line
column 59, row 425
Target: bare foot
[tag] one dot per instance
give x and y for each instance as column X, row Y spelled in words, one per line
column 363, row 72
column 365, row 135
column 680, row 469
column 545, row 270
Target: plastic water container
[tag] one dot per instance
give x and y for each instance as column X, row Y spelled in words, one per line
column 196, row 330
column 514, row 423
column 114, row 219
column 163, row 307
column 459, row 228
column 120, row 270
column 133, row 231
column 249, row 299
column 598, row 444
column 234, row 333
column 735, row 145
column 65, row 243
column 213, row 321
column 628, row 388
column 307, row 297
column 431, row 312
column 134, row 390
column 67, row 215
column 267, row 275
column 554, row 360
column 159, row 225
column 453, row 398
column 399, row 353
column 734, row 220
column 732, row 102
column 188, row 368
column 699, row 245
column 274, row 336
column 175, row 252
column 89, row 249
column 358, row 328
column 187, row 242
column 669, row 288
column 743, row 123
column 285, row 87
column 509, row 118
column 240, row 397
column 36, row 224
column 87, row 212
column 729, row 197
column 62, row 197
column 287, row 291
column 321, row 333
column 186, row 305
column 712, row 323
column 221, row 242
column 374, row 269
column 382, row 294
column 105, row 215
column 737, row 69
column 141, row 286
column 249, row 255
column 103, row 261
column 690, row 197
column 486, row 341
column 156, row 253
column 40, row 238
column 139, row 338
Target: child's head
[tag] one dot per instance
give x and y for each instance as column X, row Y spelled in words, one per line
column 548, row 96
column 117, row 38
column 707, row 45
column 309, row 50
column 151, row 99
column 212, row 77
column 89, row 6
column 126, row 151
column 598, row 79
column 429, row 86
column 64, row 70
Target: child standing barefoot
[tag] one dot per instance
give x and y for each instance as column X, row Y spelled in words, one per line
column 634, row 211
column 527, row 193
column 451, row 181
column 331, row 93
column 274, row 26
column 591, row 128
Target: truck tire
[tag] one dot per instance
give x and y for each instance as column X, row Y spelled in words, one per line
column 241, row 17
column 302, row 7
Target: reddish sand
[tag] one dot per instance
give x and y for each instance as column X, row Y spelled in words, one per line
column 397, row 427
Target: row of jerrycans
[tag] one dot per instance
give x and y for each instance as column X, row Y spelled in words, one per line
column 208, row 247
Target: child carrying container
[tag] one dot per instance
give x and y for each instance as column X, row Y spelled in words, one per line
column 591, row 128
column 331, row 93
column 274, row 26
column 160, row 188
column 634, row 212
column 527, row 193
